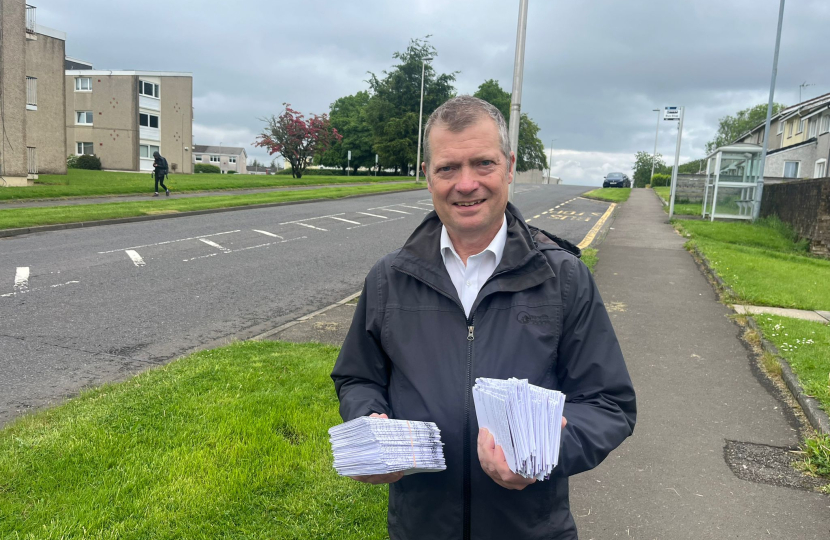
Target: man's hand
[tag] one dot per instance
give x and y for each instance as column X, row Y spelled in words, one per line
column 379, row 478
column 494, row 463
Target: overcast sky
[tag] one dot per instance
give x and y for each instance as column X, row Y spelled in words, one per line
column 594, row 69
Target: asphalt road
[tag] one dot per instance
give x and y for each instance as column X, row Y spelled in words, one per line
column 85, row 306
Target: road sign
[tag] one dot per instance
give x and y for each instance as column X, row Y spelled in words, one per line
column 376, row 159
column 350, row 155
column 671, row 113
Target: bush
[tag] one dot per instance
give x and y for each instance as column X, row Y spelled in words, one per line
column 231, row 172
column 660, row 180
column 205, row 168
column 72, row 161
column 89, row 162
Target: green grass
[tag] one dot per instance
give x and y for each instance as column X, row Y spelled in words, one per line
column 680, row 208
column 82, row 183
column 617, row 195
column 50, row 215
column 590, row 258
column 762, row 262
column 228, row 443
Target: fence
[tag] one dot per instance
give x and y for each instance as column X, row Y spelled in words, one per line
column 804, row 204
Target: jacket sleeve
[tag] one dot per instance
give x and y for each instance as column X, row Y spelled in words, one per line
column 361, row 373
column 600, row 404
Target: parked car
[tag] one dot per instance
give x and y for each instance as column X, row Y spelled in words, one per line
column 616, row 179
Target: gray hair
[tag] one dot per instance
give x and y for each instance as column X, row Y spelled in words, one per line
column 461, row 112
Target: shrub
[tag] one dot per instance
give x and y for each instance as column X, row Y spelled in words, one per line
column 72, row 161
column 205, row 168
column 88, row 161
column 231, row 172
column 659, row 180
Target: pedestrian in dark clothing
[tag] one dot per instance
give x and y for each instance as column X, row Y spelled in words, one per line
column 160, row 171
column 476, row 292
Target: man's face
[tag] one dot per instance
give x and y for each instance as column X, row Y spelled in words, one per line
column 468, row 178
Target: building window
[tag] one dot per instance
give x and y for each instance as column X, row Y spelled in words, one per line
column 146, row 150
column 791, row 169
column 232, row 159
column 148, row 120
column 813, row 126
column 780, row 127
column 197, row 157
column 83, row 118
column 31, row 93
column 214, row 159
column 800, row 126
column 84, row 148
column 821, row 169
column 791, row 126
column 83, row 84
column 825, row 123
column 146, row 88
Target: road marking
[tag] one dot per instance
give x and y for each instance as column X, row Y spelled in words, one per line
column 310, row 226
column 169, row 242
column 266, row 233
column 536, row 216
column 375, row 223
column 244, row 249
column 214, row 244
column 391, row 210
column 25, row 291
column 596, row 228
column 346, row 220
column 21, row 278
column 413, row 207
column 373, row 215
column 137, row 260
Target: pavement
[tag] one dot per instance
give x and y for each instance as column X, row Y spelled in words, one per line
column 712, row 452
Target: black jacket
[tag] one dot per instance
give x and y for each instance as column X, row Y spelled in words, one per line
column 412, row 353
column 159, row 164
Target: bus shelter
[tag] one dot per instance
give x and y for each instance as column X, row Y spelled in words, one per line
column 732, row 174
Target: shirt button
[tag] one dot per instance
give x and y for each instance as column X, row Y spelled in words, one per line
column 469, row 284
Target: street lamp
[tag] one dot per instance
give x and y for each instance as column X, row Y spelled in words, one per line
column 550, row 161
column 420, row 117
column 654, row 156
column 516, row 97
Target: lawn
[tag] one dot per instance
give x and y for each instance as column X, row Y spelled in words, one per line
column 228, row 443
column 681, row 208
column 616, row 195
column 50, row 215
column 762, row 263
column 590, row 258
column 82, row 183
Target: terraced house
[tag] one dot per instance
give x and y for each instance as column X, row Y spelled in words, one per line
column 124, row 116
column 32, row 90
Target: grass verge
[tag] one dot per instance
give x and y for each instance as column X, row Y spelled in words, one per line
column 616, row 195
column 681, row 208
column 82, row 183
column 228, row 443
column 590, row 258
column 50, row 215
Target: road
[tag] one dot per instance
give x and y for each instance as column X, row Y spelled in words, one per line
column 86, row 306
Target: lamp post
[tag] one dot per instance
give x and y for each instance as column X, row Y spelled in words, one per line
column 550, row 161
column 420, row 117
column 654, row 156
column 516, row 98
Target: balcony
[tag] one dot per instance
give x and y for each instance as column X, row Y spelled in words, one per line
column 31, row 19
column 31, row 93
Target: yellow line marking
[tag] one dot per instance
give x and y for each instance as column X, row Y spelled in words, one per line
column 536, row 216
column 596, row 228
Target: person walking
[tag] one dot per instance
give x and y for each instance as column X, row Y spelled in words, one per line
column 160, row 171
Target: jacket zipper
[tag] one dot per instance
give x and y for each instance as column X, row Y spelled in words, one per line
column 468, row 495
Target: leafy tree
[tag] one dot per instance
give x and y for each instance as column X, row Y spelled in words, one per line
column 692, row 167
column 642, row 168
column 297, row 140
column 256, row 163
column 530, row 150
column 731, row 127
column 392, row 110
column 348, row 117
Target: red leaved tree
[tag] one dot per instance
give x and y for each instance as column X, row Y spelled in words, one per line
column 296, row 139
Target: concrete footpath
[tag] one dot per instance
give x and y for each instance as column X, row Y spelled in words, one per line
column 711, row 454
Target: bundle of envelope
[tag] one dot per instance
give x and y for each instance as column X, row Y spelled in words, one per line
column 367, row 445
column 525, row 420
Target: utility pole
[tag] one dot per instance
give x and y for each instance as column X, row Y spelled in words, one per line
column 654, row 156
column 676, row 161
column 550, row 161
column 516, row 98
column 759, row 186
column 420, row 116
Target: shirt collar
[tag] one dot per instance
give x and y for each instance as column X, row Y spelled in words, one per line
column 496, row 246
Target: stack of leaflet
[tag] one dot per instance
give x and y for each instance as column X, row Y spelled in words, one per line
column 367, row 445
column 525, row 420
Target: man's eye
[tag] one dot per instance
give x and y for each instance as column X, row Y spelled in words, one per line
column 486, row 162
column 444, row 169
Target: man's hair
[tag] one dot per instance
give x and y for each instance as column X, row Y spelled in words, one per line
column 461, row 112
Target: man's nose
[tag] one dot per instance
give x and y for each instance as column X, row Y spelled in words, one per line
column 467, row 182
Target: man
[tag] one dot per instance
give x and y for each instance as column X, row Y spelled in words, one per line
column 160, row 171
column 475, row 292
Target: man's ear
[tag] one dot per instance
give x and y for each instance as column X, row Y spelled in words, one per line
column 426, row 175
column 511, row 167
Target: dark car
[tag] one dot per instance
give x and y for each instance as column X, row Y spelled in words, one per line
column 616, row 179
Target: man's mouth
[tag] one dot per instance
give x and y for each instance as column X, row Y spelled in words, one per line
column 469, row 203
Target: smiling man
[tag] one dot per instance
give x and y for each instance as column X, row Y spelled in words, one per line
column 476, row 292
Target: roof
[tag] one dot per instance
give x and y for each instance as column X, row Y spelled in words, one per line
column 106, row 72
column 227, row 150
column 805, row 106
column 257, row 168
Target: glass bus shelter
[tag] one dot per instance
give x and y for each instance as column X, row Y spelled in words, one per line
column 731, row 180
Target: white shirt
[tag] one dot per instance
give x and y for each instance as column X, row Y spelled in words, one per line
column 469, row 279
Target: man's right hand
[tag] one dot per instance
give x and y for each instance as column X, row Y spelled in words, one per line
column 389, row 478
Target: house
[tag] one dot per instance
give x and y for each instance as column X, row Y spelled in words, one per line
column 227, row 158
column 32, row 87
column 260, row 169
column 799, row 144
column 124, row 116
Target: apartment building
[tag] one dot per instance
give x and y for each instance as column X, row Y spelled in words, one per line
column 124, row 116
column 32, row 90
column 227, row 158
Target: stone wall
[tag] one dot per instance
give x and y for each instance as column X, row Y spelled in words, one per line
column 535, row 177
column 804, row 204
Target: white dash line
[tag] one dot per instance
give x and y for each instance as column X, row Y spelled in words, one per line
column 373, row 215
column 391, row 210
column 413, row 207
column 266, row 233
column 346, row 220
column 137, row 260
column 169, row 242
column 21, row 278
column 375, row 223
column 310, row 226
column 213, row 244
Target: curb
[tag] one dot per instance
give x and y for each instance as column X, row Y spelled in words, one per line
column 298, row 320
column 816, row 416
column 606, row 226
column 6, row 233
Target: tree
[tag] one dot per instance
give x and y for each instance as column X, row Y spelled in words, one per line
column 297, row 140
column 732, row 127
column 530, row 150
column 348, row 117
column 642, row 168
column 392, row 110
column 256, row 163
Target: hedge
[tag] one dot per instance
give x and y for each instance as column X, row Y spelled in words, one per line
column 205, row 168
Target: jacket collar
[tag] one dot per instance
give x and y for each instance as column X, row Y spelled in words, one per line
column 522, row 265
